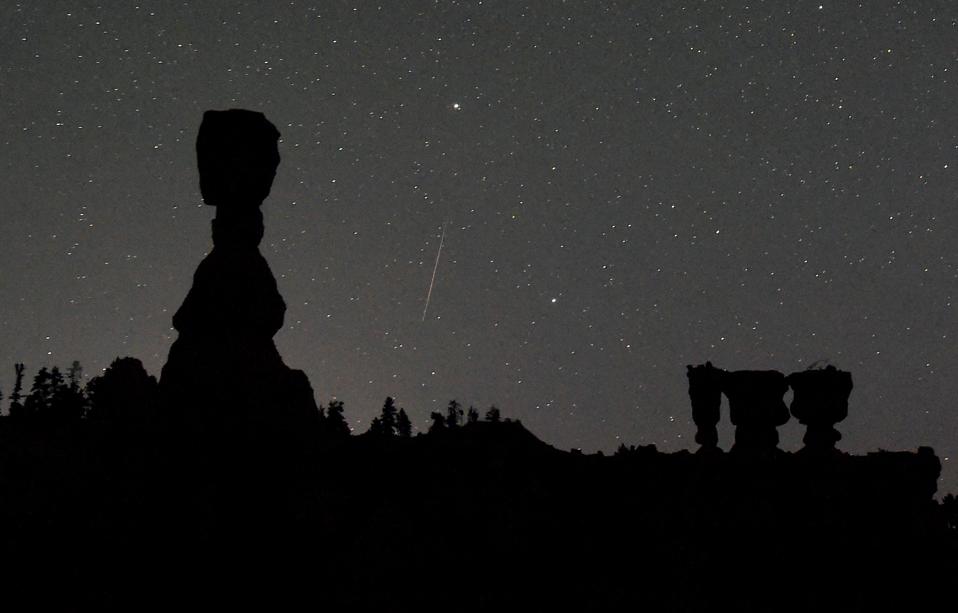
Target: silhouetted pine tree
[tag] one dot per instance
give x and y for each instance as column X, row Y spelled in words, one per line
column 438, row 422
column 388, row 416
column 40, row 399
column 50, row 398
column 472, row 415
column 17, row 410
column 403, row 425
column 493, row 415
column 74, row 375
column 334, row 422
column 453, row 414
column 69, row 400
column 385, row 424
column 949, row 507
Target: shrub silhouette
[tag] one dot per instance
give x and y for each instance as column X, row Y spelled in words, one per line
column 124, row 394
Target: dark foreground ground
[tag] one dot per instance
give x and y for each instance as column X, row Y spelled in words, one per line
column 479, row 518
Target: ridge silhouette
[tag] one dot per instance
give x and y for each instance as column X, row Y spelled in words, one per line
column 223, row 486
column 115, row 512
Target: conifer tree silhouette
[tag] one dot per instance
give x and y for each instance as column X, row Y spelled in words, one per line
column 949, row 507
column 493, row 415
column 69, row 401
column 453, row 414
column 403, row 425
column 472, row 415
column 50, row 398
column 74, row 374
column 388, row 416
column 438, row 423
column 385, row 424
column 40, row 398
column 16, row 408
column 334, row 422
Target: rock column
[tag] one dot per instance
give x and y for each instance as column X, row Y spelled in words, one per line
column 224, row 365
column 820, row 402
column 705, row 393
column 756, row 408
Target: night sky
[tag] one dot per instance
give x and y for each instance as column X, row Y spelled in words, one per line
column 625, row 190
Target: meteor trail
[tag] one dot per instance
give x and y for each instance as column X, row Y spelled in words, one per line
column 434, row 268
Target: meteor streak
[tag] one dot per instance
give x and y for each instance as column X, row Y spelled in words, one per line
column 435, row 267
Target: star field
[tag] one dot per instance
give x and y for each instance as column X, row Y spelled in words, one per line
column 625, row 191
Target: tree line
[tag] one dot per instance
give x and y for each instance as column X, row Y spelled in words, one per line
column 126, row 394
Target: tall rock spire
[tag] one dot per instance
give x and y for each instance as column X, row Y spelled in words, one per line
column 224, row 365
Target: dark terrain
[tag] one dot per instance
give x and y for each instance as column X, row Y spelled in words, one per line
column 481, row 516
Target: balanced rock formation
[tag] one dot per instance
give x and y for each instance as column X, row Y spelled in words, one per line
column 820, row 402
column 756, row 408
column 705, row 393
column 224, row 367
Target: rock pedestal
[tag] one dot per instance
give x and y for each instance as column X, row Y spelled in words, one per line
column 224, row 366
column 756, row 408
column 820, row 402
column 705, row 393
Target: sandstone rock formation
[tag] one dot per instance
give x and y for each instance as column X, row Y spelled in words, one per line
column 224, row 366
column 820, row 401
column 705, row 393
column 756, row 407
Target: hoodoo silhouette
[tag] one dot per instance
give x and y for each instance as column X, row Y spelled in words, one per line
column 224, row 366
column 705, row 393
column 821, row 401
column 756, row 407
